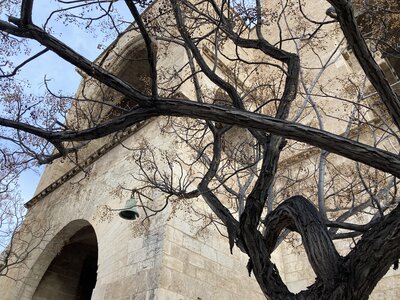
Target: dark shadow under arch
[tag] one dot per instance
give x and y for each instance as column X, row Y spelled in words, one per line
column 72, row 273
column 75, row 232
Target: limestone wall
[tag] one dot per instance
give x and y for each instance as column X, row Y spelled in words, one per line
column 171, row 258
column 197, row 263
column 174, row 256
column 164, row 260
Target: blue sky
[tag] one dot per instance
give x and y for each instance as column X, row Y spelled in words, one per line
column 62, row 74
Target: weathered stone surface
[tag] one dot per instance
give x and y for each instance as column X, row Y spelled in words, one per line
column 168, row 259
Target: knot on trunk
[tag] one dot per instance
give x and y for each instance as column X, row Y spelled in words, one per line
column 299, row 214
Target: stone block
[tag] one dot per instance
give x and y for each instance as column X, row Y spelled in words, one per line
column 212, row 266
column 296, row 266
column 163, row 294
column 297, row 286
column 183, row 226
column 191, row 244
column 166, row 277
column 206, row 276
column 135, row 244
column 153, row 239
column 225, row 260
column 146, row 264
column 139, row 296
column 208, row 252
column 177, row 237
column 173, row 263
column 167, row 247
column 179, row 251
column 190, row 270
column 293, row 276
column 137, row 256
column 196, row 260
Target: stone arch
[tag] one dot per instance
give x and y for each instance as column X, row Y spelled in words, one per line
column 128, row 60
column 74, row 232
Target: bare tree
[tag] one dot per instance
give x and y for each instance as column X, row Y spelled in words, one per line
column 18, row 238
column 260, row 72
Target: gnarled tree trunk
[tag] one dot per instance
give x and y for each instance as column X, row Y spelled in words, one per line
column 351, row 277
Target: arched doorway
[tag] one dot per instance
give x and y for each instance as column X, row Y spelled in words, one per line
column 72, row 273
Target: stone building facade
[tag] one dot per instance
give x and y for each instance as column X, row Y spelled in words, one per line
column 90, row 251
column 169, row 260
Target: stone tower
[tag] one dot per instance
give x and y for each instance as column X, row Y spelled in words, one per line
column 85, row 250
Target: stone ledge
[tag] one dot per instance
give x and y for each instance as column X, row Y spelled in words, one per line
column 88, row 161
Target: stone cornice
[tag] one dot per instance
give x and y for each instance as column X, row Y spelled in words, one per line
column 88, row 161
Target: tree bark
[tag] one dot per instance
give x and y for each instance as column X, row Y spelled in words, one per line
column 351, row 277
